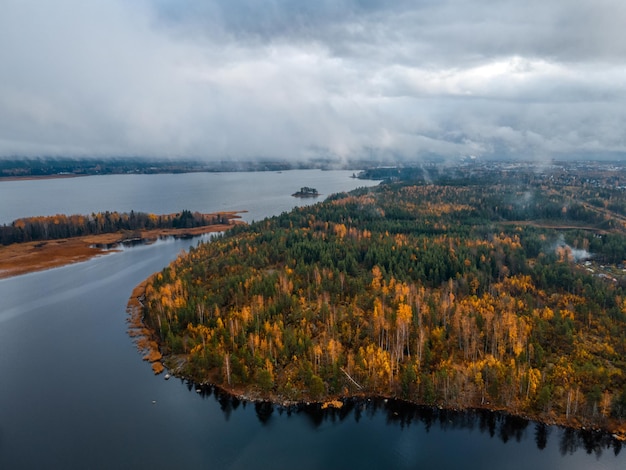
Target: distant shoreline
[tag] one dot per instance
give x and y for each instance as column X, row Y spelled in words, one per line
column 17, row 169
column 39, row 177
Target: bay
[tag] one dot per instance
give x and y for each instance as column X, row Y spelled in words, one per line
column 262, row 194
column 74, row 392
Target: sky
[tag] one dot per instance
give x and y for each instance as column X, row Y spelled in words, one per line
column 299, row 79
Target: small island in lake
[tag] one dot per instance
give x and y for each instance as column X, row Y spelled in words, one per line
column 305, row 191
column 436, row 291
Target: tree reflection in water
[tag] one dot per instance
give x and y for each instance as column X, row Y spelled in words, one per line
column 541, row 435
column 399, row 413
column 264, row 410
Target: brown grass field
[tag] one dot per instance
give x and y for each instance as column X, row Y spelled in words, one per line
column 23, row 258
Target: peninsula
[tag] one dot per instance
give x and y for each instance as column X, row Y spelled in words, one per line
column 38, row 243
column 439, row 293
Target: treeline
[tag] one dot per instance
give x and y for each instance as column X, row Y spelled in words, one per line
column 38, row 167
column 66, row 226
column 410, row 291
column 59, row 166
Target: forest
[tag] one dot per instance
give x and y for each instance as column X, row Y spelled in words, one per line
column 67, row 226
column 465, row 295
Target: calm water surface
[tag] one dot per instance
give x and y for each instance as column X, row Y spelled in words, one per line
column 262, row 194
column 74, row 392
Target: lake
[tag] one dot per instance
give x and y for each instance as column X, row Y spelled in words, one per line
column 75, row 394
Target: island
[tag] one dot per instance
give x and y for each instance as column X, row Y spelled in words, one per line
column 37, row 243
column 306, row 192
column 498, row 291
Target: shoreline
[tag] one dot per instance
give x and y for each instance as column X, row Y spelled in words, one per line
column 29, row 257
column 147, row 343
column 142, row 336
column 40, row 177
column 337, row 401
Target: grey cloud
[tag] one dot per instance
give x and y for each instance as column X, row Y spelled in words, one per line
column 269, row 19
column 430, row 31
column 294, row 79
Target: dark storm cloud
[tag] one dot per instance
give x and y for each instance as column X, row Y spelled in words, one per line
column 294, row 79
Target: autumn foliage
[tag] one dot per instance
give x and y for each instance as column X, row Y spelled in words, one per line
column 420, row 292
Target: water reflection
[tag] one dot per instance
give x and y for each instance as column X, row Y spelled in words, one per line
column 264, row 410
column 541, row 435
column 398, row 413
column 594, row 442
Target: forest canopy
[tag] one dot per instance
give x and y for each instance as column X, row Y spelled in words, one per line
column 465, row 295
column 67, row 226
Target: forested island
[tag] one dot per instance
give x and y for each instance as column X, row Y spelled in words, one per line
column 305, row 191
column 448, row 292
